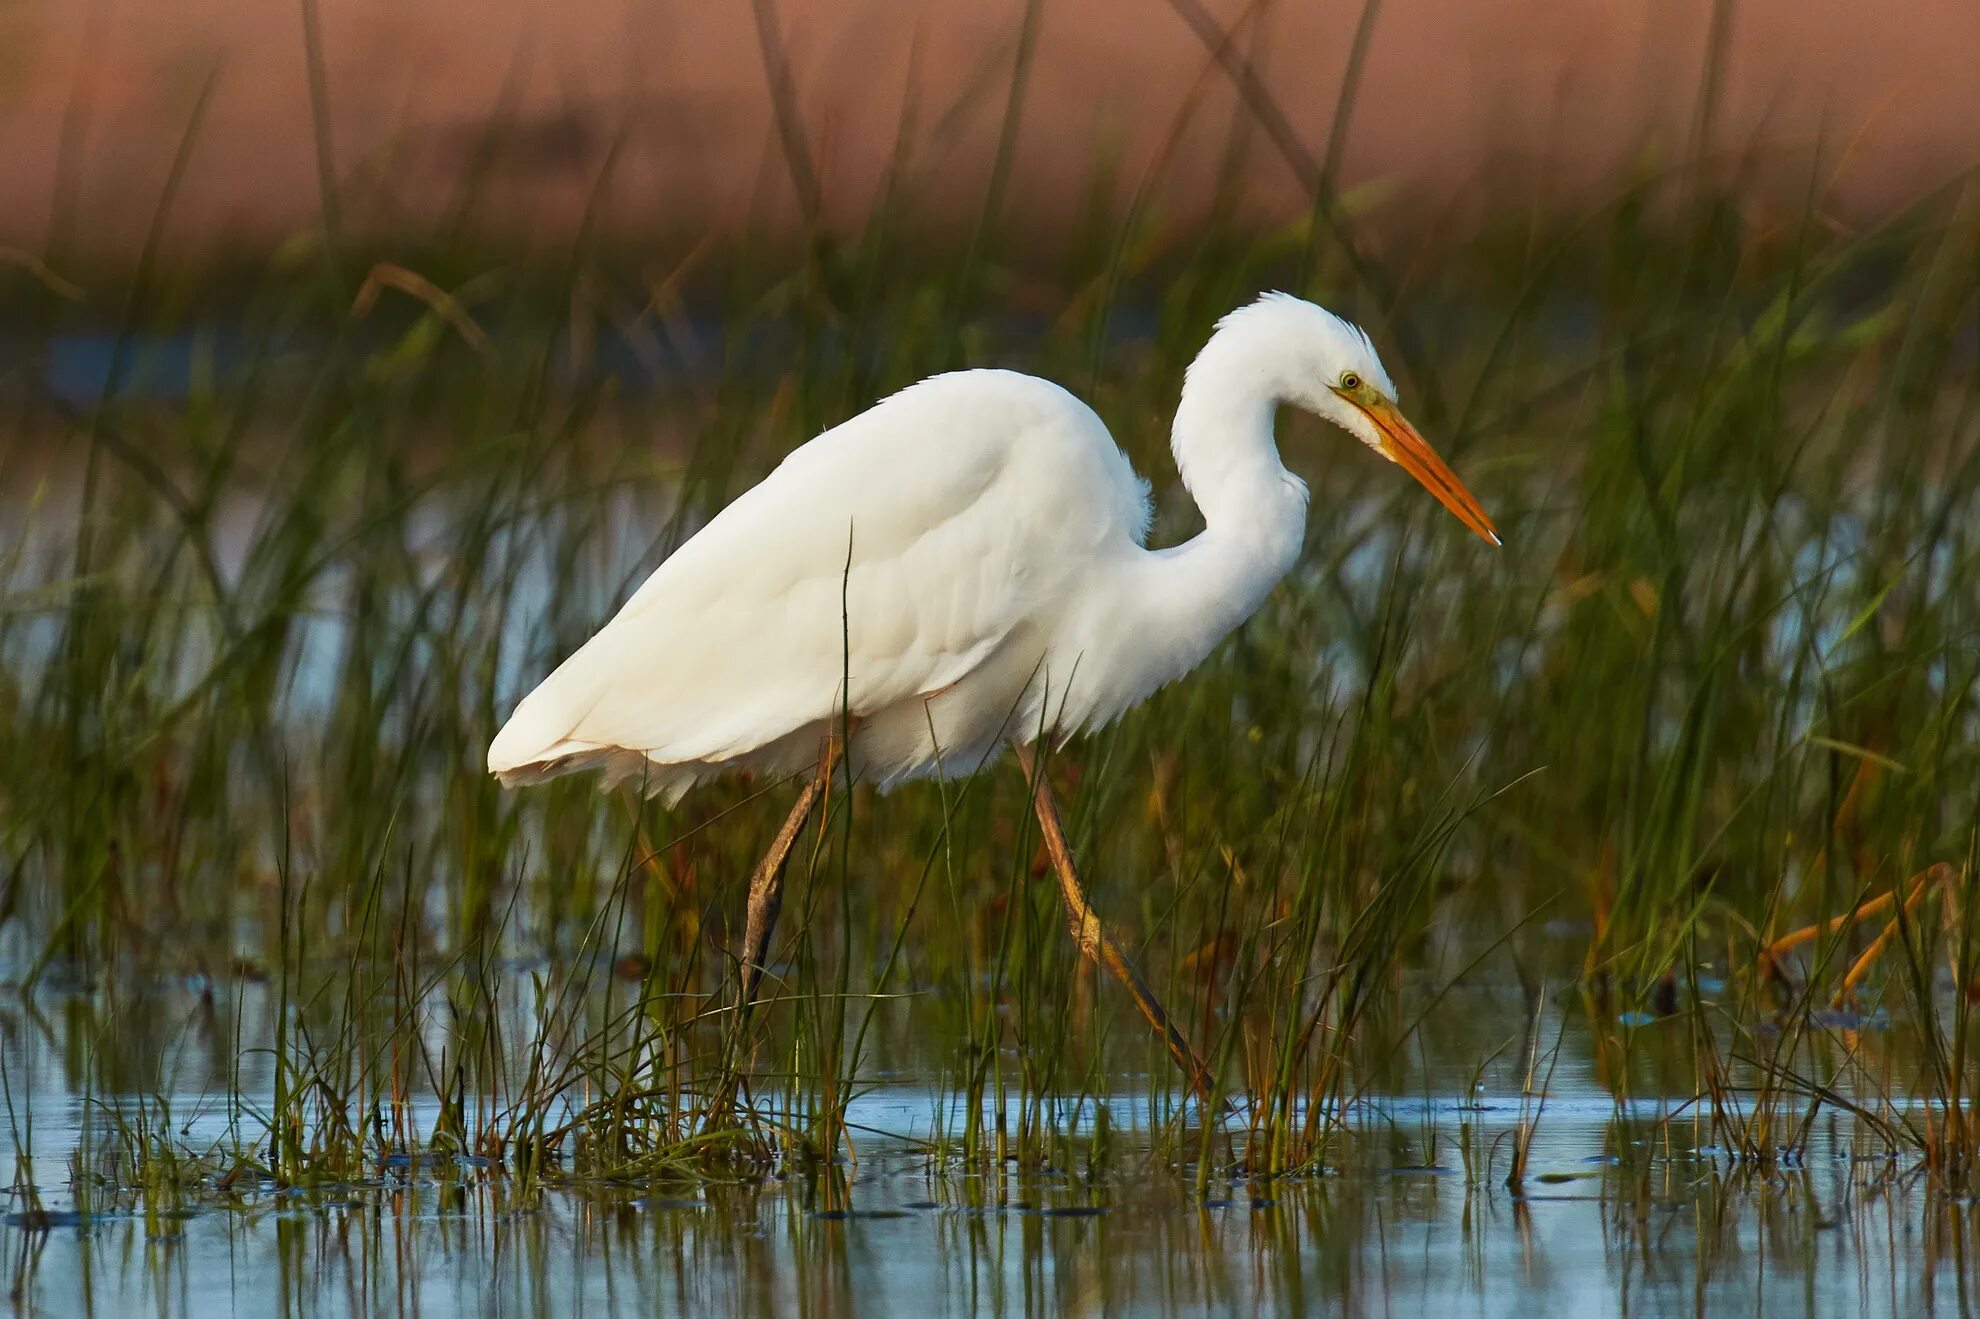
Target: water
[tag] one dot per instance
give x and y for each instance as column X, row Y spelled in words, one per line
column 896, row 1241
column 1626, row 1205
column 890, row 1236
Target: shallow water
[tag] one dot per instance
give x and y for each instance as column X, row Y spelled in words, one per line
column 1626, row 1206
column 1829, row 1239
column 891, row 1235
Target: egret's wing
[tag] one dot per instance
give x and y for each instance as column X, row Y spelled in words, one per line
column 888, row 558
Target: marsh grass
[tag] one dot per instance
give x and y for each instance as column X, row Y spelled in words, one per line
column 272, row 580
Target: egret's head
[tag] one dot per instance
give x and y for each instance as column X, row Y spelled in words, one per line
column 1333, row 370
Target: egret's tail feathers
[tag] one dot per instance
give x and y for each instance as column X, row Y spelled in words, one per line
column 614, row 765
column 521, row 755
column 525, row 746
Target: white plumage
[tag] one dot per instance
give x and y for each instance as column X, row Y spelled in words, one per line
column 961, row 566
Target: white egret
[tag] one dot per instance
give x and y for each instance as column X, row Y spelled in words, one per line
column 961, row 567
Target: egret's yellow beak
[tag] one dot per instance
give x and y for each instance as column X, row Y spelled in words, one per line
column 1407, row 449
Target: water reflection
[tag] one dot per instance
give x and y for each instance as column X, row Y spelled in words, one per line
column 1625, row 1208
column 891, row 1236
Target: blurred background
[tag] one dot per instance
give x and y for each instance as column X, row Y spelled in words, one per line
column 1449, row 109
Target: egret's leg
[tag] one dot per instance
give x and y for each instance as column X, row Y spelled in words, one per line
column 766, row 886
column 766, row 900
column 1094, row 942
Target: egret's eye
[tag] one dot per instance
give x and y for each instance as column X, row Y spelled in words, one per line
column 1350, row 381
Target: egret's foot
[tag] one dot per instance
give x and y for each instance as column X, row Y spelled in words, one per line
column 1940, row 876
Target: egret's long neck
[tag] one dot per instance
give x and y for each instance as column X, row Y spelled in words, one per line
column 1254, row 510
column 1223, row 442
